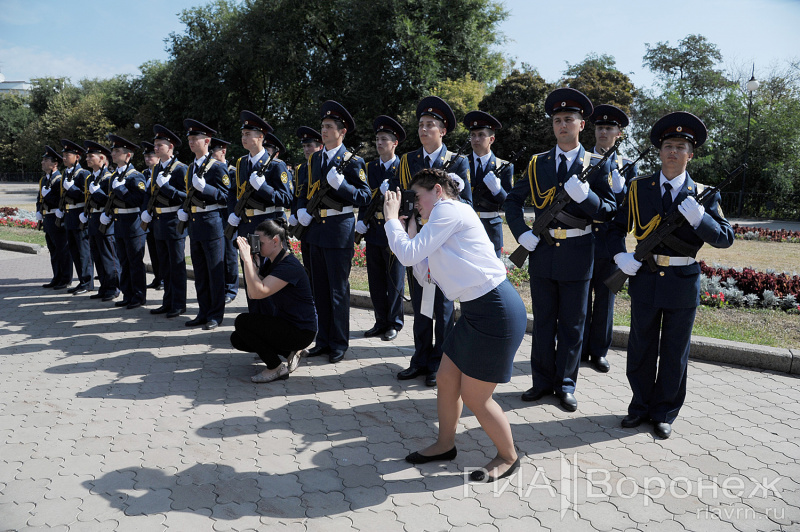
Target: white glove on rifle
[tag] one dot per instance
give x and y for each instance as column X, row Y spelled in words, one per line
column 94, row 187
column 161, row 179
column 68, row 184
column 257, row 180
column 146, row 218
column 492, row 183
column 45, row 190
column 528, row 240
column 234, row 220
column 39, row 216
column 83, row 218
column 692, row 211
column 59, row 213
column 182, row 216
column 147, row 183
column 627, row 263
column 199, row 183
column 335, row 179
column 292, row 220
column 617, row 182
column 578, row 190
column 105, row 220
column 303, row 217
column 384, row 186
column 361, row 227
column 117, row 183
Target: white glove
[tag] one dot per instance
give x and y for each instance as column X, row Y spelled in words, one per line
column 161, row 179
column 578, row 190
column 117, row 183
column 361, row 227
column 59, row 213
column 93, row 187
column 303, row 217
column 83, row 218
column 182, row 216
column 233, row 220
column 292, row 220
column 528, row 240
column 45, row 190
column 335, row 179
column 39, row 216
column 692, row 211
column 147, row 183
column 105, row 220
column 617, row 182
column 146, row 218
column 257, row 180
column 627, row 263
column 492, row 183
column 384, row 186
column 68, row 184
column 199, row 183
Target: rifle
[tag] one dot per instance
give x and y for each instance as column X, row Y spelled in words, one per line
column 512, row 160
column 321, row 196
column 155, row 189
column 108, row 208
column 62, row 202
column 40, row 223
column 370, row 212
column 561, row 200
column 446, row 166
column 663, row 235
column 249, row 190
column 190, row 199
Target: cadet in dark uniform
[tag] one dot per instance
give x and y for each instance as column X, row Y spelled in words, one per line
column 560, row 273
column 384, row 271
column 103, row 246
column 664, row 301
column 169, row 183
column 489, row 190
column 311, row 141
column 56, row 237
column 331, row 240
column 150, row 160
column 597, row 332
column 436, row 119
column 218, row 149
column 73, row 186
column 129, row 190
column 208, row 182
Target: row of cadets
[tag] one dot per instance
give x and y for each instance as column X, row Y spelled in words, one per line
column 168, row 182
column 208, row 182
column 129, row 191
column 489, row 190
column 608, row 122
column 150, row 160
column 55, row 236
column 560, row 273
column 331, row 240
column 435, row 119
column 73, row 187
column 311, row 142
column 384, row 271
column 102, row 245
column 218, row 149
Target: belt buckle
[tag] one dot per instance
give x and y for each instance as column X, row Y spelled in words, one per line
column 158, row 210
column 116, row 211
column 194, row 209
column 249, row 212
column 662, row 260
column 323, row 213
column 560, row 234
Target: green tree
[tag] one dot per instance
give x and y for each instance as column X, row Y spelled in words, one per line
column 15, row 116
column 687, row 67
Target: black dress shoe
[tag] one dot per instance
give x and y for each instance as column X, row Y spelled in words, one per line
column 210, row 325
column 410, row 373
column 663, row 430
column 96, row 296
column 74, row 289
column 430, row 379
column 51, row 284
column 160, row 286
column 80, row 291
column 175, row 313
column 480, row 475
column 154, row 284
column 375, row 331
column 195, row 322
column 123, row 303
column 416, row 458
column 318, row 350
column 632, row 421
column 335, row 356
column 60, row 286
column 568, row 402
column 111, row 297
column 390, row 334
column 134, row 305
column 160, row 310
column 534, row 395
column 228, row 300
column 601, row 364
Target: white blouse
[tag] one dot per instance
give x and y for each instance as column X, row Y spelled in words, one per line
column 454, row 247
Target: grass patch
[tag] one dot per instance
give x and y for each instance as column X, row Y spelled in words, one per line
column 18, row 234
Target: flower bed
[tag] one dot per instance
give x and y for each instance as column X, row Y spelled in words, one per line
column 766, row 235
column 14, row 222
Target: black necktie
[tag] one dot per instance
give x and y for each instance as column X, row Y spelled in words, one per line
column 427, row 161
column 478, row 167
column 561, row 173
column 666, row 199
column 324, row 160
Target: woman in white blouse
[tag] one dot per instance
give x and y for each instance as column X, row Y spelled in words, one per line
column 453, row 251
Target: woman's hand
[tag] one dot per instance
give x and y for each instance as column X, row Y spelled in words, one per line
column 391, row 204
column 244, row 248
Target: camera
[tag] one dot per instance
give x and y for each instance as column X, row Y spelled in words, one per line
column 255, row 243
column 407, row 200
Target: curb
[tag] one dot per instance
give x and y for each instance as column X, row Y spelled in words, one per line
column 21, row 247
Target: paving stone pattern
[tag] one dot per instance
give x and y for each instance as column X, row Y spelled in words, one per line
column 113, row 419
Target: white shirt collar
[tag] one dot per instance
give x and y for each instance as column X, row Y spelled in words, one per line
column 331, row 154
column 97, row 172
column 199, row 162
column 433, row 155
column 255, row 158
column 676, row 183
column 484, row 160
column 570, row 155
column 390, row 163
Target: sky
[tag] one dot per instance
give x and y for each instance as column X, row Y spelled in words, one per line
column 90, row 39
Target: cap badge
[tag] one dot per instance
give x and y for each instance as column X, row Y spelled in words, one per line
column 679, row 129
column 563, row 104
column 605, row 117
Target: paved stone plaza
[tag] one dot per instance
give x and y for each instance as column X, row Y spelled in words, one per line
column 115, row 419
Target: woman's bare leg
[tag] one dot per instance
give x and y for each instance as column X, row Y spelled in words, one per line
column 448, row 405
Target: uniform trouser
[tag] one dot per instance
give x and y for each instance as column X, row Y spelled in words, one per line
column 559, row 311
column 208, row 258
column 269, row 337
column 172, row 257
column 330, row 278
column 427, row 353
column 599, row 327
column 104, row 253
column 306, row 254
column 658, row 358
column 81, row 252
column 133, row 280
column 386, row 283
column 60, row 258
column 231, row 269
column 155, row 260
column 494, row 229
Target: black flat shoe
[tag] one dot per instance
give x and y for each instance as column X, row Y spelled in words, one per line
column 632, row 421
column 60, row 286
column 335, row 356
column 534, row 395
column 480, row 475
column 111, row 297
column 318, row 350
column 410, row 373
column 228, row 300
column 430, row 380
column 74, row 289
column 601, row 364
column 51, row 284
column 210, row 325
column 123, row 303
column 134, row 305
column 96, row 296
column 375, row 331
column 175, row 313
column 568, row 402
column 80, row 291
column 389, row 335
column 663, row 430
column 195, row 322
column 416, row 458
column 160, row 310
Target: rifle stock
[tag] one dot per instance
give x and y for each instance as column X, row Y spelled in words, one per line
column 249, row 190
column 109, row 206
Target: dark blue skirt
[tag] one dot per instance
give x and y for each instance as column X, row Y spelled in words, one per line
column 487, row 335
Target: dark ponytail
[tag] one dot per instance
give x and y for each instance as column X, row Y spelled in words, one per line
column 273, row 227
